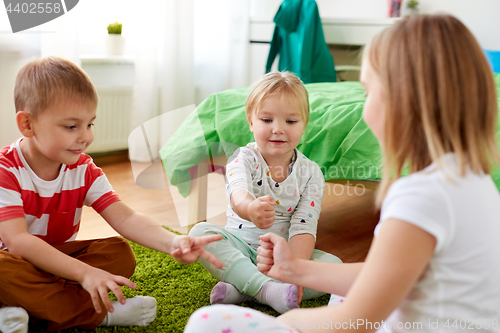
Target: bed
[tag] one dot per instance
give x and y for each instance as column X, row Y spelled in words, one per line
column 336, row 138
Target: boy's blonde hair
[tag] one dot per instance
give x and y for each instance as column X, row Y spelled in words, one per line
column 439, row 97
column 283, row 84
column 44, row 81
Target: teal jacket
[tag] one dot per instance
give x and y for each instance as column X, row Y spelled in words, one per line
column 299, row 40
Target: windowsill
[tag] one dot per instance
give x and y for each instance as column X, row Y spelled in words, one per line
column 103, row 59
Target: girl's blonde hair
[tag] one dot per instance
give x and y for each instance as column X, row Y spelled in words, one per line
column 439, row 97
column 283, row 84
column 44, row 81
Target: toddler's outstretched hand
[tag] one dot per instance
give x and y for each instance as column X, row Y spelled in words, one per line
column 275, row 258
column 188, row 249
column 261, row 212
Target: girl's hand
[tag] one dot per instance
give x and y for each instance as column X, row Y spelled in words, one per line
column 98, row 283
column 300, row 295
column 261, row 212
column 275, row 258
column 187, row 249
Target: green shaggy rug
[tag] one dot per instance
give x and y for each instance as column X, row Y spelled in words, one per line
column 179, row 290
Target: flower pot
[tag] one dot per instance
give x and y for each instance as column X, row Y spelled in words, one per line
column 115, row 44
column 410, row 11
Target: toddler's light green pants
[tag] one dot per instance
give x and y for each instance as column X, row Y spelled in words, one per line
column 240, row 261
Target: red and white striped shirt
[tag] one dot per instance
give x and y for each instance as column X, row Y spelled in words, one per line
column 53, row 208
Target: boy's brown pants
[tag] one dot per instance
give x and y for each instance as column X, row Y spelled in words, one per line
column 62, row 303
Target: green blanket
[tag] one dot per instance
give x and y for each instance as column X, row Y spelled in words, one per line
column 336, row 137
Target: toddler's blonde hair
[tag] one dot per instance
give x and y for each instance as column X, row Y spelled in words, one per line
column 283, row 84
column 439, row 97
column 44, row 81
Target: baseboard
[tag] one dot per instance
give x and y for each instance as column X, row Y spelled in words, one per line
column 113, row 157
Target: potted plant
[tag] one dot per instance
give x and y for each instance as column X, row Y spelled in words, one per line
column 115, row 42
column 412, row 7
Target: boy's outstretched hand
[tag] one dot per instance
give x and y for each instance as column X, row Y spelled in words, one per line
column 188, row 249
column 98, row 283
column 275, row 258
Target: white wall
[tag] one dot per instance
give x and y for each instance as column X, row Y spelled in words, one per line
column 480, row 16
column 11, row 61
column 352, row 8
column 9, row 65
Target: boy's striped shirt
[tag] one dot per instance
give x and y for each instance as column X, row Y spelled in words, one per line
column 52, row 209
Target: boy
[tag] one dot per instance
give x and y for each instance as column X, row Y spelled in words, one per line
column 44, row 180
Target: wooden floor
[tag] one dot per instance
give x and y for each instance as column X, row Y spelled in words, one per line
column 345, row 227
column 347, row 222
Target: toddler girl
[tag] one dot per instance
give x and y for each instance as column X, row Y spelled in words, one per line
column 271, row 186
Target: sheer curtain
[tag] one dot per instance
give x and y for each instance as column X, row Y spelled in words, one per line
column 164, row 71
column 203, row 50
column 221, row 44
column 60, row 37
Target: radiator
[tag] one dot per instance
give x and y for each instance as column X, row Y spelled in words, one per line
column 112, row 125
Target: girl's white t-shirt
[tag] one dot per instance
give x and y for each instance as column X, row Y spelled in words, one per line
column 460, row 288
